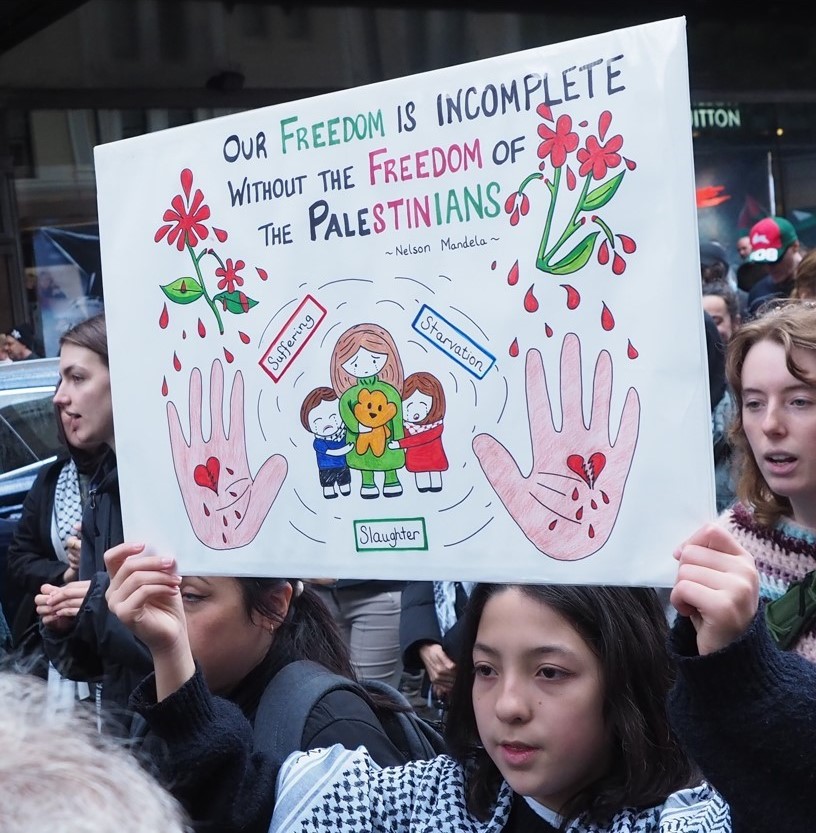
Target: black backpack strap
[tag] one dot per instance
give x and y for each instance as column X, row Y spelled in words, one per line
column 288, row 701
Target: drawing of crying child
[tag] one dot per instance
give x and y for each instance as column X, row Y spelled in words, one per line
column 320, row 415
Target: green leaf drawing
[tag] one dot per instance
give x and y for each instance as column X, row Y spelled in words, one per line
column 236, row 302
column 575, row 260
column 183, row 290
column 600, row 196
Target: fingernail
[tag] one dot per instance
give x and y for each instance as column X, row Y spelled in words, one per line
column 167, row 562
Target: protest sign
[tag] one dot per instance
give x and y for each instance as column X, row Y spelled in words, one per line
column 442, row 327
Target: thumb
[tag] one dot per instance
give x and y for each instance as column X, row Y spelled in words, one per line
column 498, row 464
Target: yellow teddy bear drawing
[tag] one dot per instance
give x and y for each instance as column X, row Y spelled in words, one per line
column 373, row 411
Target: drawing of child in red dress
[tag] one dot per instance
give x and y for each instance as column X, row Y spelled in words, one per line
column 423, row 410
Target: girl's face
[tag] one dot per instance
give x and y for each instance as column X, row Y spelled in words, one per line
column 417, row 407
column 84, row 397
column 225, row 641
column 779, row 419
column 365, row 363
column 538, row 698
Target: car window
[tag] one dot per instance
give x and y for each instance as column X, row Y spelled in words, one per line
column 28, row 433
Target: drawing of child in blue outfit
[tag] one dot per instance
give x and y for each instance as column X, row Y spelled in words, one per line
column 320, row 415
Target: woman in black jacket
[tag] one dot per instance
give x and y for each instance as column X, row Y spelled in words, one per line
column 81, row 638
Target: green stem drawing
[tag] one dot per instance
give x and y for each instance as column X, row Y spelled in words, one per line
column 545, row 256
column 606, row 230
column 204, row 289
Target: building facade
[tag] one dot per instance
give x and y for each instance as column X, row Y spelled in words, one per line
column 74, row 75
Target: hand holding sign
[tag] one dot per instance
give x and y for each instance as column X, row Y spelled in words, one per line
column 568, row 503
column 225, row 505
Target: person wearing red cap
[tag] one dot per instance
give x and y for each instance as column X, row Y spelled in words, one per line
column 774, row 242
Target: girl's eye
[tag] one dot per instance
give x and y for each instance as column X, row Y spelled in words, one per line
column 482, row 670
column 191, row 598
column 800, row 402
column 549, row 672
column 752, row 405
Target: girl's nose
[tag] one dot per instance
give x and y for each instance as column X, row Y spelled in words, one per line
column 511, row 705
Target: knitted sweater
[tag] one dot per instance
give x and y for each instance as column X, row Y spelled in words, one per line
column 337, row 789
column 784, row 553
column 747, row 715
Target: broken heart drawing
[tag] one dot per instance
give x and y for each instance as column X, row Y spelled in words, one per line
column 568, row 504
column 225, row 504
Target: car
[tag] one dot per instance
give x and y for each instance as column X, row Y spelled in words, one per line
column 29, row 438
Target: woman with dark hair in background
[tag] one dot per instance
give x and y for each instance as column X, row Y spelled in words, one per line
column 81, row 638
column 217, row 645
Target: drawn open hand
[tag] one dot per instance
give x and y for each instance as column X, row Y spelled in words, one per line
column 568, row 503
column 225, row 505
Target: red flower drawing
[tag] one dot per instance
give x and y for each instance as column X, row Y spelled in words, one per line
column 229, row 275
column 516, row 205
column 559, row 142
column 598, row 158
column 185, row 218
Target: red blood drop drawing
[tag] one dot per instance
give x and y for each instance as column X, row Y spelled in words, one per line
column 238, row 514
column 164, row 386
column 206, row 511
column 579, row 514
column 202, row 330
column 224, row 537
column 603, row 253
column 513, row 274
column 593, row 504
column 234, row 494
column 493, row 265
column 573, row 297
column 605, row 497
column 627, row 244
column 184, row 333
column 176, row 362
column 164, row 318
column 228, row 356
column 631, row 352
column 530, row 300
column 220, row 234
column 548, row 331
column 603, row 124
column 262, row 273
column 552, row 524
column 224, row 519
column 591, row 531
column 630, row 164
column 607, row 319
column 575, row 494
column 230, row 471
column 618, row 264
column 244, row 337
column 514, row 348
column 183, row 287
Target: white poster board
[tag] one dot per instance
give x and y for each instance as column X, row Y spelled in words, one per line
column 442, row 327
